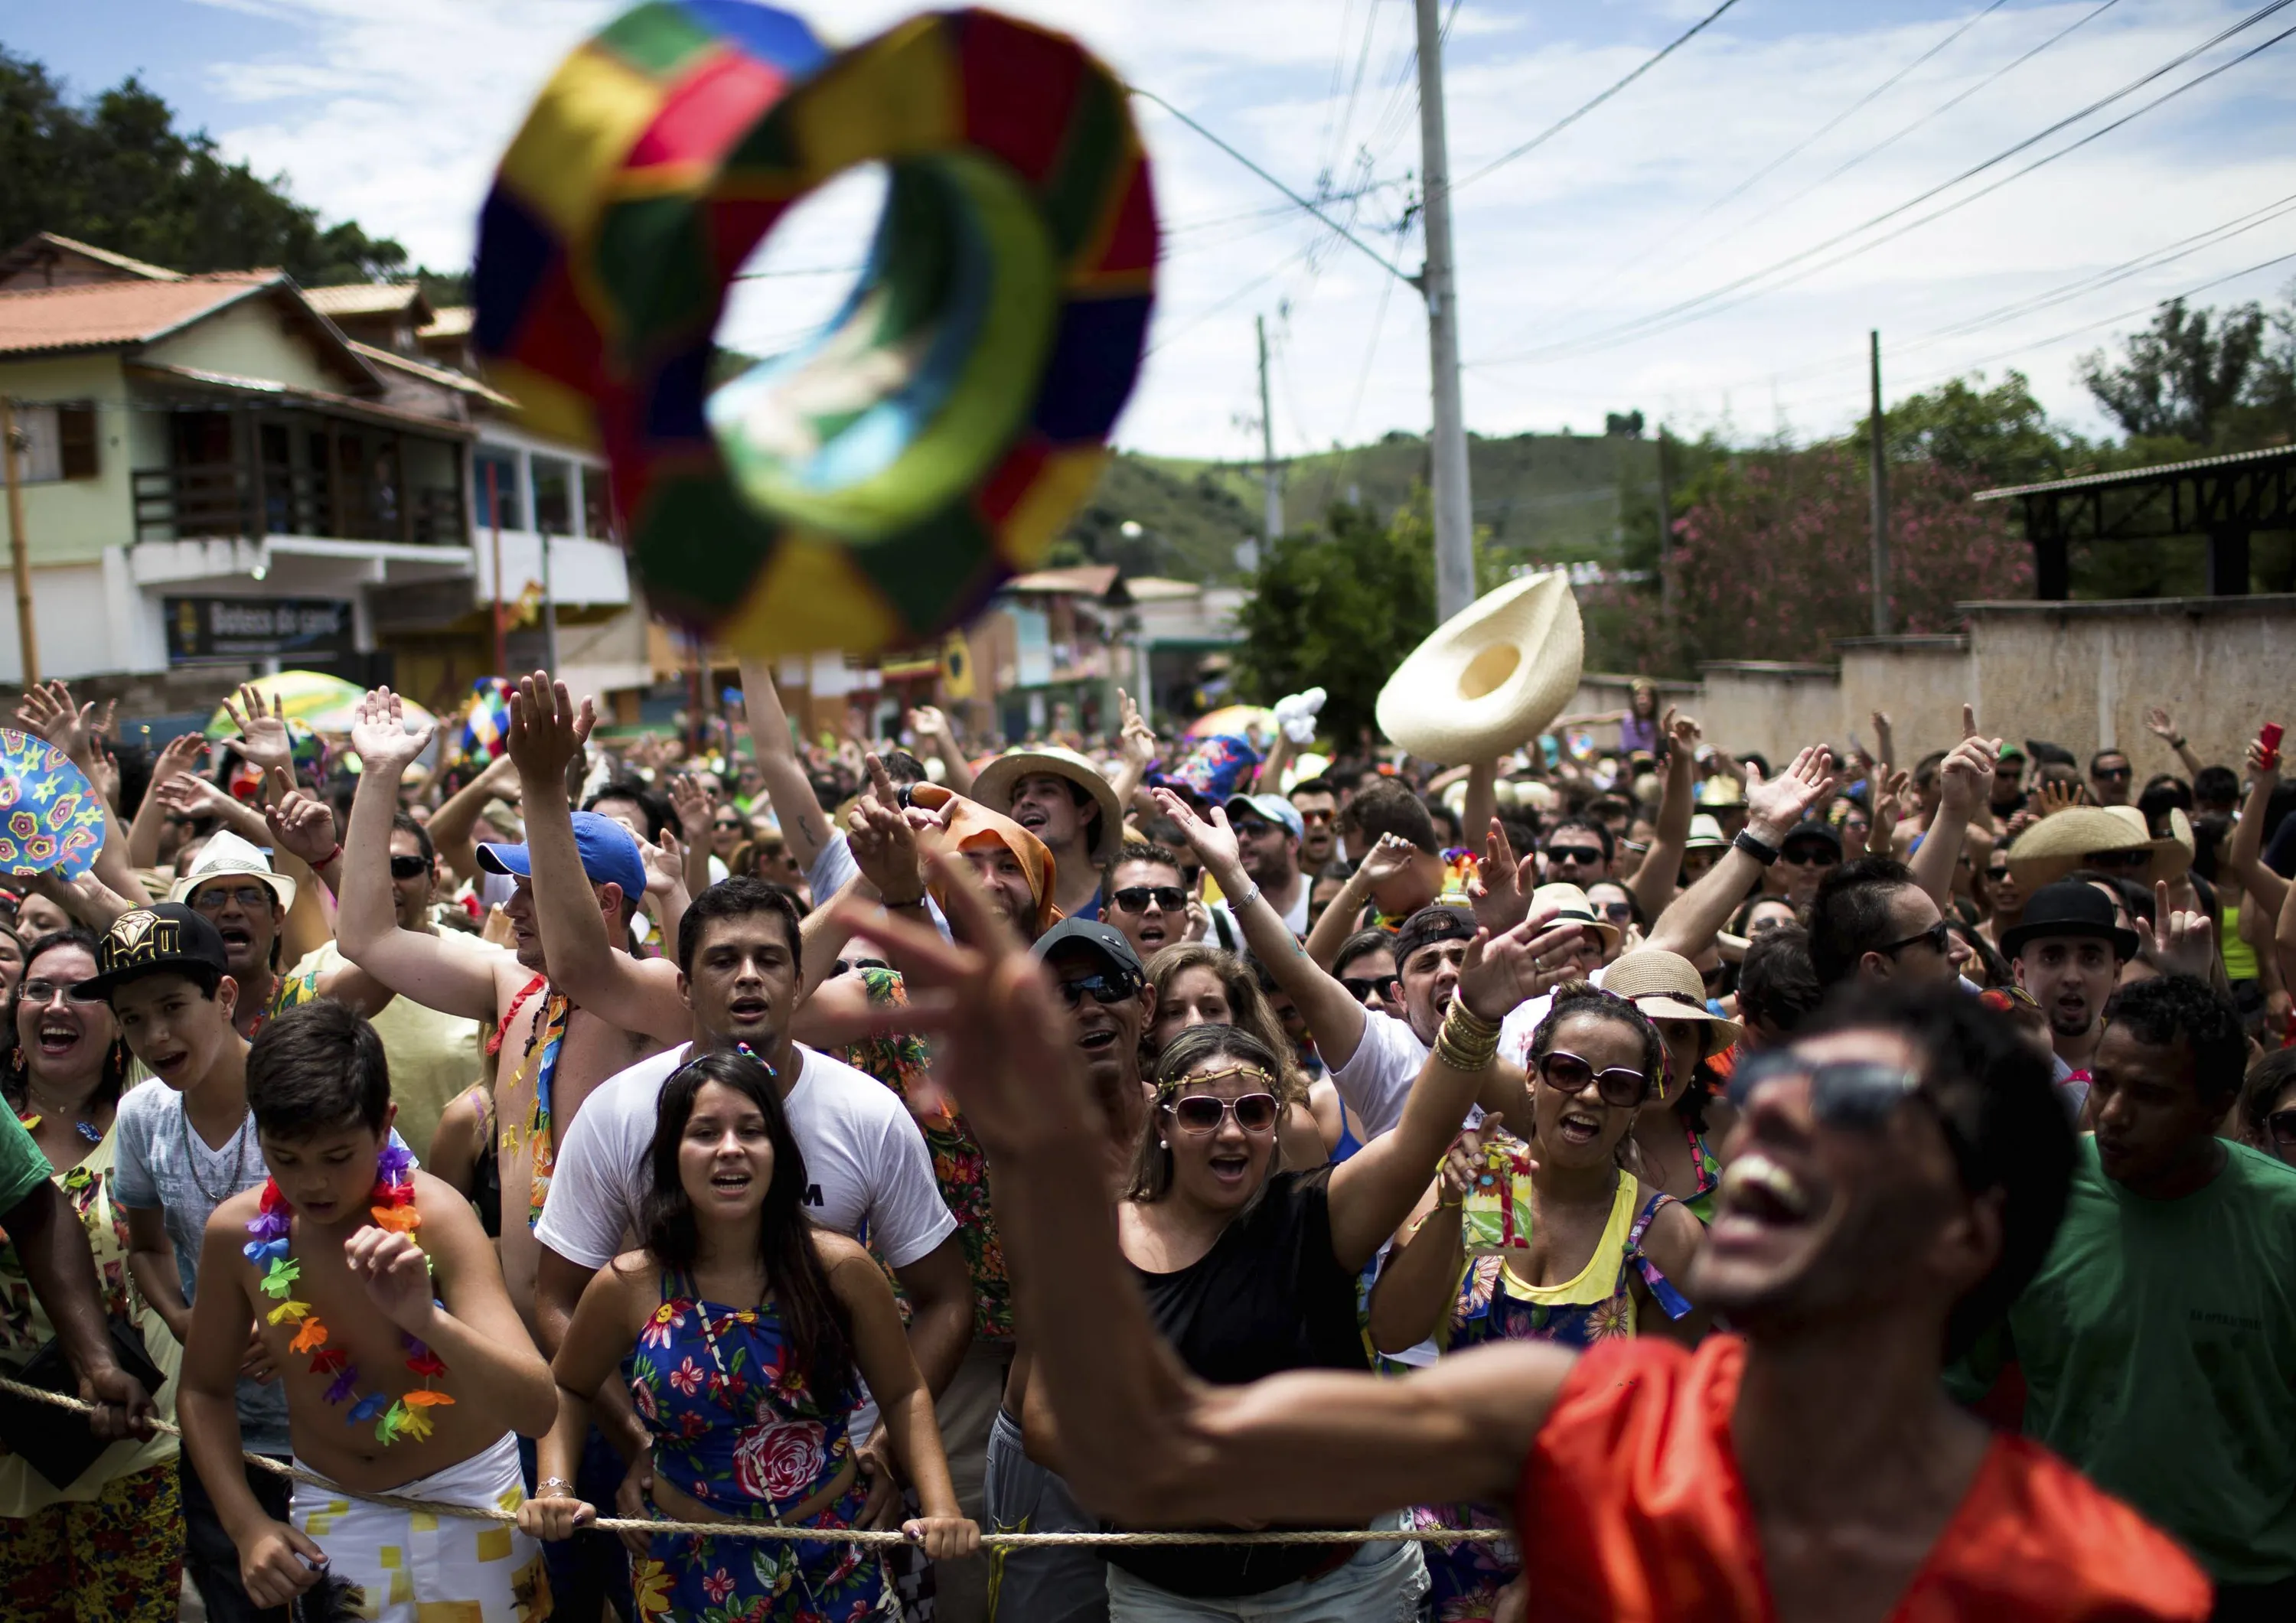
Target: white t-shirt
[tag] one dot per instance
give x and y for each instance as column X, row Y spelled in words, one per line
column 1378, row 1076
column 1295, row 920
column 867, row 1171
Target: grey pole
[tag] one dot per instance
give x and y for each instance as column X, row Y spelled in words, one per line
column 1455, row 533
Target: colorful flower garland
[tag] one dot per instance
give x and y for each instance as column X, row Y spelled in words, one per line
column 394, row 1209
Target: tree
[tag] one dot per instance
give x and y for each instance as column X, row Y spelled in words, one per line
column 1998, row 435
column 116, row 172
column 1339, row 608
column 2184, row 376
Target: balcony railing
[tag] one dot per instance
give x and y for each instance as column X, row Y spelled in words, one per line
column 202, row 499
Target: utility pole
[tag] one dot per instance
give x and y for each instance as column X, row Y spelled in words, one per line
column 1454, row 528
column 1881, row 505
column 1271, row 483
column 27, row 640
column 501, row 631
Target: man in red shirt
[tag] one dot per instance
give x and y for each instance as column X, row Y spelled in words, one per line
column 1896, row 1176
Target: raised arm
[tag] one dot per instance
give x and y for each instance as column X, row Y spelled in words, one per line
column 2157, row 722
column 1334, row 1017
column 2264, row 890
column 1136, row 743
column 1420, row 1275
column 453, row 823
column 1964, row 790
column 1773, row 807
column 546, row 731
column 697, row 815
column 179, row 756
column 1653, row 881
column 805, row 826
column 1142, row 1441
column 1391, row 857
column 438, row 975
column 934, row 730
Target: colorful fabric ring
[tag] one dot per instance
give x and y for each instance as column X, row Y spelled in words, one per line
column 871, row 487
column 51, row 816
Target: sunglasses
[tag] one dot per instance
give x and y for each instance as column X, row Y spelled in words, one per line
column 2282, row 1126
column 1566, row 1073
column 1937, row 936
column 2113, row 774
column 1844, row 1094
column 1200, row 1113
column 253, row 898
column 727, row 825
column 45, row 991
column 1134, row 898
column 1316, row 819
column 2120, row 862
column 1102, row 988
column 408, row 867
column 1585, row 855
column 1997, row 874
column 1364, row 988
column 846, row 965
column 1617, row 913
column 1809, row 856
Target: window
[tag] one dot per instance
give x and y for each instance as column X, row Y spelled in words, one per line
column 554, row 496
column 58, row 443
column 510, row 509
column 597, row 504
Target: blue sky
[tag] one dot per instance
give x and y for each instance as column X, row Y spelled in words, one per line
column 392, row 111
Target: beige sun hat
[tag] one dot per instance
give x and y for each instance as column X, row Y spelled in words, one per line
column 1493, row 675
column 1706, row 834
column 1667, row 986
column 993, row 788
column 1572, row 907
column 227, row 855
column 2064, row 840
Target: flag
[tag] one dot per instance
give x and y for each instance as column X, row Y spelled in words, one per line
column 956, row 668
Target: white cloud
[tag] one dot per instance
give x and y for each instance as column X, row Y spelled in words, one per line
column 393, row 112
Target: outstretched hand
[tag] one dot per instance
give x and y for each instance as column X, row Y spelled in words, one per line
column 883, row 841
column 1774, row 805
column 1498, row 895
column 263, row 737
column 378, row 735
column 1213, row 842
column 1528, row 960
column 301, row 823
column 1966, row 776
column 2182, row 943
column 47, row 709
column 547, row 729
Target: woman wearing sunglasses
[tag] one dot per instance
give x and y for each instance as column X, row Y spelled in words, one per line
column 1249, row 1267
column 1198, row 984
column 1557, row 1243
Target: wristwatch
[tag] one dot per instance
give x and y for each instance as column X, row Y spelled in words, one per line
column 1764, row 854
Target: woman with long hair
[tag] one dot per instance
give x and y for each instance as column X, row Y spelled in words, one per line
column 1673, row 1145
column 1198, row 984
column 110, row 1544
column 1557, row 1243
column 747, row 1330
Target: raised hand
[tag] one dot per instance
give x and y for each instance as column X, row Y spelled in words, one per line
column 396, row 1275
column 1683, row 733
column 1774, row 805
column 301, row 823
column 1214, row 842
column 1498, row 895
column 884, row 841
column 1136, row 740
column 1531, row 959
column 193, row 796
column 2182, row 943
column 1892, row 805
column 1966, row 776
column 262, row 733
column 378, row 735
column 547, row 729
column 2058, row 796
column 2261, row 763
column 48, row 710
column 1389, row 856
column 696, row 806
column 2157, row 722
column 179, row 755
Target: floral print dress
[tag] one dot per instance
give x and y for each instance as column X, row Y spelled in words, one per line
column 736, row 1426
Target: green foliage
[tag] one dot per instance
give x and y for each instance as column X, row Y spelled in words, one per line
column 1997, row 436
column 2186, row 375
column 1341, row 608
column 116, row 172
column 1188, row 527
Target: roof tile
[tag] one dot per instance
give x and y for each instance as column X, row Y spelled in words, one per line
column 93, row 314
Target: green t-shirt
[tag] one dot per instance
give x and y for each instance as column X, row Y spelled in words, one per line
column 2159, row 1349
column 22, row 1167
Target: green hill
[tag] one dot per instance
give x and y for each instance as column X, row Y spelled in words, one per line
column 1544, row 497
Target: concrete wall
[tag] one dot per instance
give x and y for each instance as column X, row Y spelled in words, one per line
column 1920, row 683
column 72, row 521
column 249, row 340
column 1770, row 707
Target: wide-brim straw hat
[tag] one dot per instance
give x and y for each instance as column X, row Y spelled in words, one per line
column 993, row 788
column 227, row 855
column 1667, row 986
column 1572, row 906
column 1705, row 834
column 2064, row 840
column 1491, row 677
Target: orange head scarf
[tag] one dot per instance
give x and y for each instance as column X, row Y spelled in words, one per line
column 970, row 825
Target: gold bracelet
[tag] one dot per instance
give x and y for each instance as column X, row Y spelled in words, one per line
column 1472, row 1024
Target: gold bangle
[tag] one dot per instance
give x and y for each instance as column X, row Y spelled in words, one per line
column 1472, row 1023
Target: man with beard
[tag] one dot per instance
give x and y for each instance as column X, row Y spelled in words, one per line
column 1145, row 897
column 1896, row 1177
column 2067, row 952
column 2156, row 1341
column 1059, row 797
column 1318, row 802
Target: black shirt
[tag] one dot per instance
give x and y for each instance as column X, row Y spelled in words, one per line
column 1268, row 1297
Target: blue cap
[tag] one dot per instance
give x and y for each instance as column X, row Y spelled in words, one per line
column 609, row 852
column 1271, row 808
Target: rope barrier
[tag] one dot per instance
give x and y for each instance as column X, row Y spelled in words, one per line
column 855, row 1535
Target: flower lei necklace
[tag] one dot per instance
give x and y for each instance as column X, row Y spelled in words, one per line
column 404, row 1416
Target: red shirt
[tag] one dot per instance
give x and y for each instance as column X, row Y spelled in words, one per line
column 1632, row 1511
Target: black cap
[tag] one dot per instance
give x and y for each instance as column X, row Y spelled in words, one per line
column 2069, row 907
column 165, row 938
column 1109, row 942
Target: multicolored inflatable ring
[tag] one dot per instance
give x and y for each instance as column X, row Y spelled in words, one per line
column 871, row 487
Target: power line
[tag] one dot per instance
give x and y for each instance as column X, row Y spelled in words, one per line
column 1568, row 119
column 1645, row 326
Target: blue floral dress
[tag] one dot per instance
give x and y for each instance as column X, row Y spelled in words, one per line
column 735, row 1427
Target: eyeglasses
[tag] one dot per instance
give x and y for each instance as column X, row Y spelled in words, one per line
column 1585, row 855
column 46, row 991
column 1364, row 988
column 2125, row 862
column 1134, row 898
column 1566, row 1073
column 406, row 867
column 2113, row 774
column 1937, row 936
column 1201, row 1113
column 1103, row 989
column 2281, row 1125
column 1842, row 1094
column 1316, row 819
column 1617, row 913
column 727, row 825
column 1809, row 856
column 212, row 898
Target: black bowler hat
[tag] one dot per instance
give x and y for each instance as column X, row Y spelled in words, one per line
column 2069, row 907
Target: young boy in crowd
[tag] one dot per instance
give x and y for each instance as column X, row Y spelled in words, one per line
column 377, row 1297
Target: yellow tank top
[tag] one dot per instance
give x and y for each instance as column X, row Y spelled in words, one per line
column 2239, row 957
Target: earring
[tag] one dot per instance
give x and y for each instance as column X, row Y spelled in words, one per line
column 1163, row 1143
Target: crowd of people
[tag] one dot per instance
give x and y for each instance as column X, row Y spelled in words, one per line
column 1833, row 1188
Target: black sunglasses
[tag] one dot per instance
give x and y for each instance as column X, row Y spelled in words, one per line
column 1937, row 937
column 1842, row 1094
column 2113, row 774
column 1585, row 855
column 2281, row 1125
column 1103, row 987
column 1134, row 898
column 409, row 868
column 1202, row 1113
column 846, row 965
column 1363, row 988
column 1812, row 855
column 1617, row 913
column 1566, row 1073
column 2124, row 862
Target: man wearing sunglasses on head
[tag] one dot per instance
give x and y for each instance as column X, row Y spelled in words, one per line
column 1896, row 1178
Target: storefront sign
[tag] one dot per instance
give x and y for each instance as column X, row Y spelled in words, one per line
column 256, row 627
